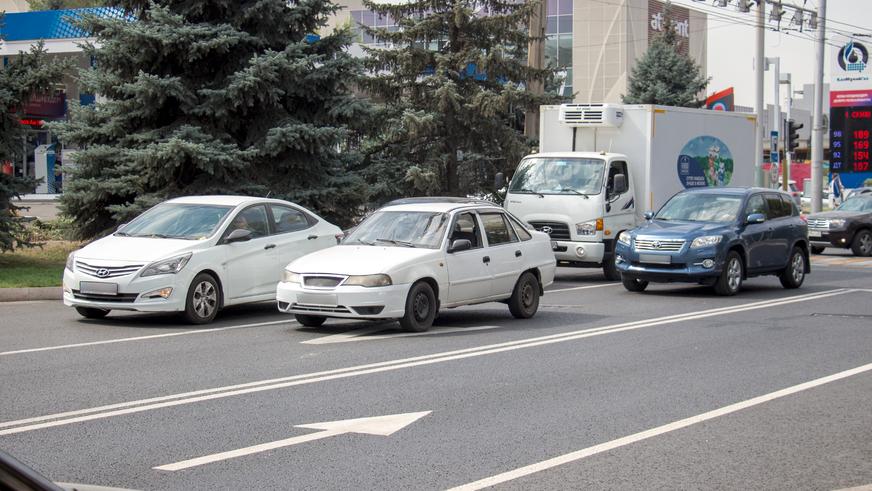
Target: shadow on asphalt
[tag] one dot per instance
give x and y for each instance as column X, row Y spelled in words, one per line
column 233, row 315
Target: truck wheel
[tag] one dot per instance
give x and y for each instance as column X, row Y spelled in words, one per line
column 92, row 313
column 525, row 297
column 421, row 308
column 203, row 300
column 817, row 249
column 862, row 243
column 634, row 284
column 794, row 274
column 610, row 270
column 310, row 320
column 730, row 281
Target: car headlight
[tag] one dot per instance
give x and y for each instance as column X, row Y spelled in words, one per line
column 624, row 238
column 589, row 228
column 291, row 277
column 369, row 280
column 168, row 266
column 837, row 222
column 71, row 261
column 705, row 241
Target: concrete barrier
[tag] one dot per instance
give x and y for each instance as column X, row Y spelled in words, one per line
column 25, row 294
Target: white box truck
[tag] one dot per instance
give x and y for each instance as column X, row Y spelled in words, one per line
column 600, row 167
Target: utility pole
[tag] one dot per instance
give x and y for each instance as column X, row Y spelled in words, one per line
column 759, row 105
column 535, row 59
column 817, row 135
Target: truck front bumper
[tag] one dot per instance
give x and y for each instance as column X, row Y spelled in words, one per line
column 566, row 251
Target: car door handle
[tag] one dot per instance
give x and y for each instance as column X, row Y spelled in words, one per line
column 312, row 237
column 486, row 259
column 269, row 246
column 518, row 254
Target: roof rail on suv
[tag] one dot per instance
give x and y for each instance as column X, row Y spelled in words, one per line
column 437, row 199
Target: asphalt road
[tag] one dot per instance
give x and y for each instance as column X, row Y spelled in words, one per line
column 674, row 389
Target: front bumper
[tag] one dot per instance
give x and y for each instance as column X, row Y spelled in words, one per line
column 130, row 292
column 578, row 252
column 686, row 265
column 349, row 302
column 829, row 238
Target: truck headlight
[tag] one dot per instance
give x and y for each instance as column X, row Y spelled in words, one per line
column 291, row 277
column 71, row 261
column 369, row 280
column 624, row 238
column 168, row 266
column 837, row 222
column 589, row 228
column 705, row 241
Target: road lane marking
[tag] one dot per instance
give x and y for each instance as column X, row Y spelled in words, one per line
column 582, row 287
column 378, row 425
column 364, row 334
column 142, row 338
column 660, row 430
column 130, row 407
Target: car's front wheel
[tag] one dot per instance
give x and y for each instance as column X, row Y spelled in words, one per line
column 421, row 308
column 794, row 274
column 634, row 284
column 862, row 244
column 203, row 300
column 92, row 313
column 730, row 281
column 524, row 302
column 310, row 320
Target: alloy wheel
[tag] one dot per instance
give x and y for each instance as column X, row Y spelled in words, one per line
column 205, row 299
column 798, row 267
column 734, row 274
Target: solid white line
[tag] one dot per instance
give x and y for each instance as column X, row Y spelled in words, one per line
column 660, row 430
column 119, row 409
column 142, row 338
column 363, row 334
column 581, row 287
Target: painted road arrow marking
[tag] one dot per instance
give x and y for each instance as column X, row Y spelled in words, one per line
column 378, row 425
column 364, row 334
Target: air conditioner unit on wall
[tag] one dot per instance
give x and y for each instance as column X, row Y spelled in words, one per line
column 602, row 115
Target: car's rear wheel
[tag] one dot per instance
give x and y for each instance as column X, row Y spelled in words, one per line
column 524, row 302
column 421, row 308
column 310, row 320
column 730, row 281
column 794, row 274
column 817, row 249
column 203, row 300
column 92, row 313
column 862, row 243
column 634, row 284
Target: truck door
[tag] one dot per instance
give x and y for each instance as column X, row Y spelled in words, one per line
column 620, row 211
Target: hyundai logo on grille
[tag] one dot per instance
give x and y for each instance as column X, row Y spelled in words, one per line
column 657, row 244
column 547, row 229
column 102, row 273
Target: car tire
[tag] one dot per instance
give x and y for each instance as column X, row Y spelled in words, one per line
column 794, row 274
column 817, row 249
column 730, row 281
column 203, row 300
column 524, row 302
column 310, row 320
column 421, row 308
column 862, row 243
column 634, row 284
column 610, row 269
column 92, row 313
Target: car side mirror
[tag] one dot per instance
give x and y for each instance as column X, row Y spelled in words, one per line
column 460, row 245
column 755, row 218
column 238, row 235
column 648, row 215
column 499, row 180
column 620, row 184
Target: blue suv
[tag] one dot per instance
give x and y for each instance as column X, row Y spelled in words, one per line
column 717, row 237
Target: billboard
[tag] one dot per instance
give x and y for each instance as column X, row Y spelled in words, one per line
column 657, row 17
column 850, row 110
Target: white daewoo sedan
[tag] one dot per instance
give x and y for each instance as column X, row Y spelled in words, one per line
column 415, row 256
column 194, row 255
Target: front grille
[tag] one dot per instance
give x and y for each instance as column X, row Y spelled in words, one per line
column 322, row 281
column 818, row 223
column 120, row 298
column 664, row 245
column 339, row 309
column 559, row 231
column 107, row 271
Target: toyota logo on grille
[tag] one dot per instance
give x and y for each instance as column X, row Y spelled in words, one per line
column 547, row 229
column 102, row 273
column 657, row 244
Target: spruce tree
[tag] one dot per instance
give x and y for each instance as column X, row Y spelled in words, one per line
column 213, row 96
column 663, row 75
column 451, row 78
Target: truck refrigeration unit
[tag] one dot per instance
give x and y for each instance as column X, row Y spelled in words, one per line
column 600, row 167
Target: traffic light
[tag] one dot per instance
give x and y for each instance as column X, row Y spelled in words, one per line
column 792, row 136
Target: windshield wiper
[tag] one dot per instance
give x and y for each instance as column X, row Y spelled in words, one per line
column 573, row 191
column 525, row 190
column 153, row 236
column 397, row 242
column 121, row 234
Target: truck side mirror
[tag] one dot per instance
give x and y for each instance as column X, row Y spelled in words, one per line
column 620, row 184
column 499, row 180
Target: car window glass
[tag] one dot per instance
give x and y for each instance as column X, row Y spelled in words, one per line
column 466, row 227
column 776, row 207
column 788, row 204
column 253, row 219
column 287, row 219
column 495, row 229
column 521, row 230
column 756, row 205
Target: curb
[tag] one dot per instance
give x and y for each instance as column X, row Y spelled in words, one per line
column 25, row 294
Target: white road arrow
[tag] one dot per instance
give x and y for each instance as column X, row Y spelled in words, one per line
column 378, row 425
column 364, row 334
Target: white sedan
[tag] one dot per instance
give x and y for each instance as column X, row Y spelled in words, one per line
column 194, row 255
column 415, row 256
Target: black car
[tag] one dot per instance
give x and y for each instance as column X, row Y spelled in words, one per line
column 848, row 226
column 717, row 237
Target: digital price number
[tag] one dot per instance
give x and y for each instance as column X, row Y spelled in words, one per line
column 850, row 138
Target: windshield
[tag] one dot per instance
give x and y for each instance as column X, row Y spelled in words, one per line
column 701, row 207
column 558, row 176
column 401, row 229
column 856, row 204
column 177, row 221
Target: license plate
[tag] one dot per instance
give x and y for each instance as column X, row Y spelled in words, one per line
column 814, row 233
column 324, row 299
column 655, row 259
column 97, row 288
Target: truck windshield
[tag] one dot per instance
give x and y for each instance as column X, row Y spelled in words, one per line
column 554, row 175
column 701, row 207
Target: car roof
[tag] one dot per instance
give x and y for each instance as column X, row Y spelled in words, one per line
column 731, row 190
column 437, row 204
column 224, row 200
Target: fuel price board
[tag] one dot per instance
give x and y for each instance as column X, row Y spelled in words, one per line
column 850, row 138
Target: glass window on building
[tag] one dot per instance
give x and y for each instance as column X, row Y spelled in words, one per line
column 370, row 19
column 558, row 41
